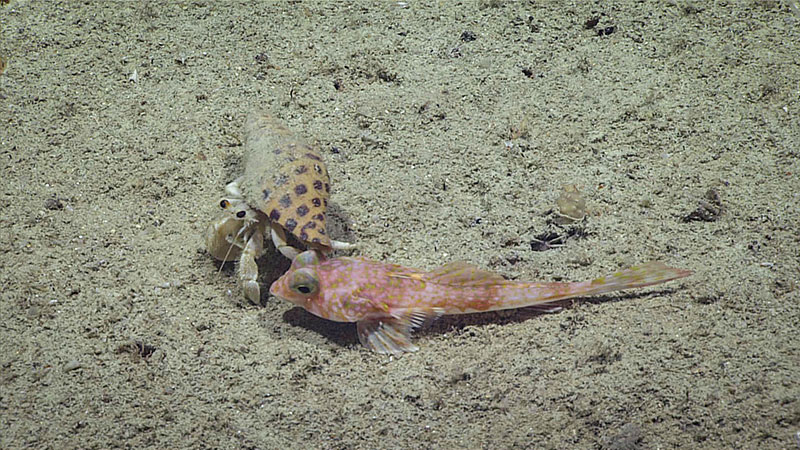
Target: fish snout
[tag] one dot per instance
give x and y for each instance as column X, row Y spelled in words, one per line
column 274, row 289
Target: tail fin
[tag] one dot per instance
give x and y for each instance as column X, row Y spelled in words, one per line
column 646, row 274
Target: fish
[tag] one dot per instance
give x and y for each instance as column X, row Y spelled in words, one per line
column 388, row 301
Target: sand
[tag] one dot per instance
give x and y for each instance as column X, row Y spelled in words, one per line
column 449, row 130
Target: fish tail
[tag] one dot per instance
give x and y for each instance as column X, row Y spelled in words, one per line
column 643, row 275
column 521, row 295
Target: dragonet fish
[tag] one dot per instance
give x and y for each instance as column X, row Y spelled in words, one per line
column 388, row 301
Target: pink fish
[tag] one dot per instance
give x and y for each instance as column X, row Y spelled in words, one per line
column 388, row 301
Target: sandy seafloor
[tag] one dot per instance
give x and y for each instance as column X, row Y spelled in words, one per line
column 449, row 130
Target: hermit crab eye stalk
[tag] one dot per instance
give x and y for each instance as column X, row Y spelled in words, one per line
column 304, row 282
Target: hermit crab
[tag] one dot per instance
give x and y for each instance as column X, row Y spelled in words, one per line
column 285, row 187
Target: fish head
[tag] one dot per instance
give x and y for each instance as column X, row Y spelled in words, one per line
column 301, row 283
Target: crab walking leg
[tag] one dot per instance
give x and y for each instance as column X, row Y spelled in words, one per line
column 340, row 245
column 279, row 239
column 232, row 188
column 248, row 269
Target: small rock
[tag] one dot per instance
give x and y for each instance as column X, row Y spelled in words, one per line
column 53, row 204
column 571, row 204
column 72, row 365
column 708, row 210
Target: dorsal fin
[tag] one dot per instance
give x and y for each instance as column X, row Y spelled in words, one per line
column 462, row 274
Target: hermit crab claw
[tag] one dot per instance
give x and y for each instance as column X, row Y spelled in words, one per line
column 229, row 238
column 220, row 238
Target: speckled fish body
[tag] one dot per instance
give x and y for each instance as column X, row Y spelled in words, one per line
column 388, row 301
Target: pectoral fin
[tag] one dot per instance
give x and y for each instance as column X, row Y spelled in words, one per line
column 392, row 334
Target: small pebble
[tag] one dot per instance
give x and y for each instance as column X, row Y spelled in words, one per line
column 72, row 365
column 571, row 204
column 53, row 204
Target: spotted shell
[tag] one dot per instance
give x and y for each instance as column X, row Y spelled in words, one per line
column 286, row 179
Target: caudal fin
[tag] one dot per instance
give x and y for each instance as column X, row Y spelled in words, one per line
column 646, row 274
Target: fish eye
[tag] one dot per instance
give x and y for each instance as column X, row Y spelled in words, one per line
column 241, row 214
column 224, row 204
column 304, row 282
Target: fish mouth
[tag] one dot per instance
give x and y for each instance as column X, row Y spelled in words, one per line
column 273, row 290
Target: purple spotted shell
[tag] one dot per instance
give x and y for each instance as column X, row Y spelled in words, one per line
column 286, row 179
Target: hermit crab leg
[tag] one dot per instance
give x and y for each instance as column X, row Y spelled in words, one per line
column 232, row 188
column 279, row 239
column 248, row 269
column 341, row 245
